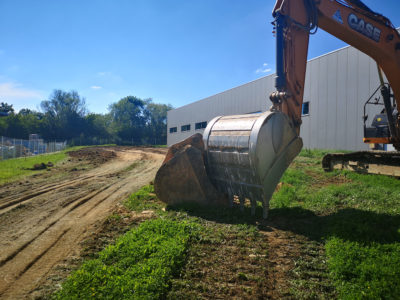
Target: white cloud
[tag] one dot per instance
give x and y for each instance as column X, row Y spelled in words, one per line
column 264, row 69
column 107, row 76
column 95, row 87
column 103, row 73
column 15, row 91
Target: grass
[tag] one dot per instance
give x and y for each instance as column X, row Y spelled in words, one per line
column 160, row 146
column 139, row 266
column 15, row 168
column 144, row 199
column 12, row 169
column 355, row 217
column 329, row 235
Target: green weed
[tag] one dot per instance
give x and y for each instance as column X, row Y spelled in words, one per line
column 144, row 199
column 139, row 266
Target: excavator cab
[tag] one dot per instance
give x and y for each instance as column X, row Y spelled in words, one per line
column 379, row 132
column 379, row 127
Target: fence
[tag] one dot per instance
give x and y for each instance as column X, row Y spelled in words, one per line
column 12, row 148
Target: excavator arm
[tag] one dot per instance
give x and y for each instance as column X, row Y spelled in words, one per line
column 348, row 20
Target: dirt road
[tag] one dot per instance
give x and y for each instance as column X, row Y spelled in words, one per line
column 43, row 219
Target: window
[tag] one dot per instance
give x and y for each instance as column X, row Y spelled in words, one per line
column 201, row 125
column 305, row 109
column 185, row 127
column 173, row 129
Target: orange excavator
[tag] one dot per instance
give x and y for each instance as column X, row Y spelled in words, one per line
column 246, row 155
column 370, row 32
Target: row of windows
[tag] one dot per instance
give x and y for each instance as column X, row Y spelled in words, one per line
column 305, row 110
column 197, row 126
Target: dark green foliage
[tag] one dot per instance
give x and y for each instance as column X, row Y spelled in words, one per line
column 65, row 112
column 139, row 266
column 5, row 109
column 65, row 116
column 140, row 121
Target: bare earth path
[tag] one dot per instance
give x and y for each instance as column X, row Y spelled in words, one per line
column 44, row 220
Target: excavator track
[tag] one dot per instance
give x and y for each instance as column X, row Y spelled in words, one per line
column 366, row 162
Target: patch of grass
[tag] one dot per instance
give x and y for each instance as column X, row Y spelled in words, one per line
column 364, row 271
column 139, row 266
column 15, row 168
column 74, row 148
column 227, row 261
column 356, row 217
column 134, row 166
column 319, row 153
column 12, row 169
column 242, row 276
column 310, row 275
column 144, row 199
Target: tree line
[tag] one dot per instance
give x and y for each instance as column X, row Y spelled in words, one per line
column 64, row 116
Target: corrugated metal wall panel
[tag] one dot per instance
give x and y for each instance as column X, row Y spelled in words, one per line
column 313, row 66
column 341, row 101
column 363, row 93
column 351, row 99
column 337, row 86
column 331, row 113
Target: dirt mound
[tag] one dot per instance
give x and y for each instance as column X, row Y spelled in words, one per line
column 94, row 155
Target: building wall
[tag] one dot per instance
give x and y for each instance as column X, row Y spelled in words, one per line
column 337, row 86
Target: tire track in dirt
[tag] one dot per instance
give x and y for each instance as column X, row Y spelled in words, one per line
column 17, row 199
column 25, row 262
column 71, row 207
column 9, row 204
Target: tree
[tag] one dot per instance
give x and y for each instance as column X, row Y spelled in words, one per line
column 6, row 109
column 65, row 117
column 98, row 125
column 157, row 122
column 64, row 114
column 129, row 119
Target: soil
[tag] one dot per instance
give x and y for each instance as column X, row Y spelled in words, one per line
column 45, row 218
column 283, row 250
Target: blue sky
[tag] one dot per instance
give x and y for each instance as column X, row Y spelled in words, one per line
column 172, row 51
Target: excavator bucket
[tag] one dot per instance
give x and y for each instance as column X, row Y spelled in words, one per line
column 246, row 155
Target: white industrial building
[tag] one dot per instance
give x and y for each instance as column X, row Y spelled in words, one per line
column 337, row 86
